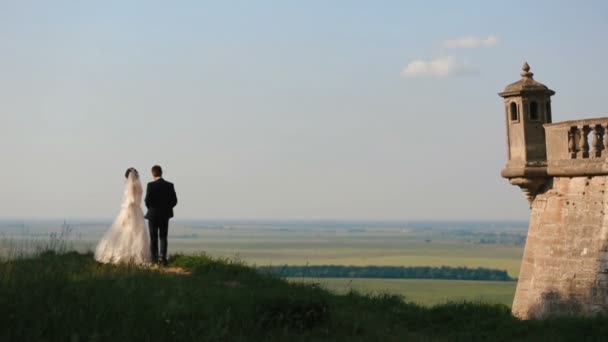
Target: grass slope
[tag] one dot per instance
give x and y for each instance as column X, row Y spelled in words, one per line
column 63, row 297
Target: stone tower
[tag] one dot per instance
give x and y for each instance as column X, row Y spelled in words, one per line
column 527, row 108
column 563, row 170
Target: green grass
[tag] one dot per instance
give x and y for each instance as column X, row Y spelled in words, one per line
column 426, row 292
column 69, row 297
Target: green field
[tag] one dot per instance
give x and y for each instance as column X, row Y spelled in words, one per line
column 389, row 247
column 331, row 244
column 371, row 246
column 425, row 292
column 406, row 254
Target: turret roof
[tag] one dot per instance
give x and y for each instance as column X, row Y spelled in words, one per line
column 527, row 84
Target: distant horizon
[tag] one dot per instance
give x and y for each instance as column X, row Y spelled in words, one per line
column 272, row 220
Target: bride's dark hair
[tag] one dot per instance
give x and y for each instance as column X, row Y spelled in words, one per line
column 129, row 170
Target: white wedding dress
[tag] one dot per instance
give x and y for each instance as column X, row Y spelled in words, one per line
column 128, row 240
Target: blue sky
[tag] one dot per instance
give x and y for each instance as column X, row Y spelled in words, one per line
column 282, row 109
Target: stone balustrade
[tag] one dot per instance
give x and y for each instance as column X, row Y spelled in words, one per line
column 577, row 148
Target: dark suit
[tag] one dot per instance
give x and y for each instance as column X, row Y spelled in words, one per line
column 160, row 201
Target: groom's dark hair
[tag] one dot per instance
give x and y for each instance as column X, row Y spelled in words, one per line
column 157, row 171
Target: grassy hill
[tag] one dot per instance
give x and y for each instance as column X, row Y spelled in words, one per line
column 70, row 297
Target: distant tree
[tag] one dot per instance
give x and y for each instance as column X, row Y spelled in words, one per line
column 391, row 272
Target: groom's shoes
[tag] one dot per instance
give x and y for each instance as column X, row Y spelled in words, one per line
column 163, row 262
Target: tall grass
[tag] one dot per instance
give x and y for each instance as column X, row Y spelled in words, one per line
column 25, row 245
column 48, row 292
column 67, row 296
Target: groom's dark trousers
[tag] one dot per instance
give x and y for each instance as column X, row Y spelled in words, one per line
column 158, row 230
column 160, row 201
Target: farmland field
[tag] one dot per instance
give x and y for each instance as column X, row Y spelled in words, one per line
column 424, row 291
column 497, row 245
column 384, row 245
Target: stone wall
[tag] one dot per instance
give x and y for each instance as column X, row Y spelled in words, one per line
column 565, row 263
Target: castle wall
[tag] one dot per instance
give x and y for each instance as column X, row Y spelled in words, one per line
column 535, row 141
column 565, row 264
column 518, row 141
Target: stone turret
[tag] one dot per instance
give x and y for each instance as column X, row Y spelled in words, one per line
column 527, row 108
column 563, row 169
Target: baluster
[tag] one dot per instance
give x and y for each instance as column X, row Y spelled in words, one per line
column 584, row 143
column 572, row 142
column 597, row 141
column 594, row 141
column 604, row 130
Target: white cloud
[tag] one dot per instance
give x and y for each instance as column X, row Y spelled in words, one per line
column 470, row 42
column 439, row 67
column 491, row 41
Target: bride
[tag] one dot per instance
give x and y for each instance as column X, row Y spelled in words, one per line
column 127, row 241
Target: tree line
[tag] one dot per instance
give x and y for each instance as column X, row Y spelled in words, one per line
column 390, row 272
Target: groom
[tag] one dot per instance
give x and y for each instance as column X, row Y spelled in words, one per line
column 160, row 201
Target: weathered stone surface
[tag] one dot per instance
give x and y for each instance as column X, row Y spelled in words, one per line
column 565, row 262
column 562, row 169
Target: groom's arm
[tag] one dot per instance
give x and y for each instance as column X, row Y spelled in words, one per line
column 173, row 201
column 147, row 200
